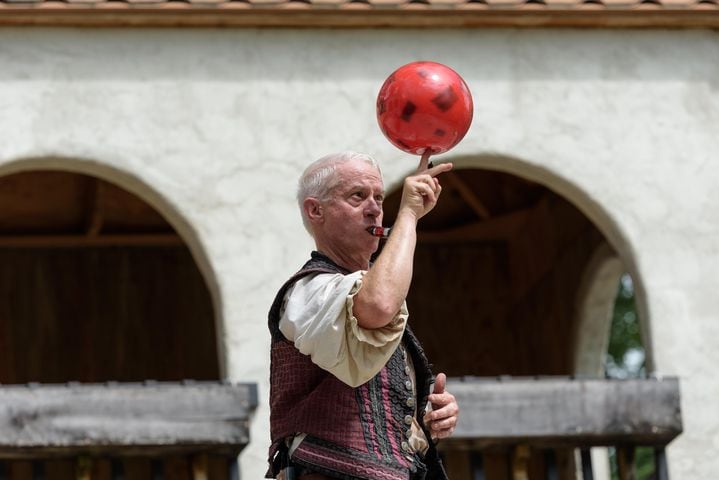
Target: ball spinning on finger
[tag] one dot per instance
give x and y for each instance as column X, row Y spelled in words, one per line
column 424, row 105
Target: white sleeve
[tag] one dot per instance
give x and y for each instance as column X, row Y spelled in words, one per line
column 318, row 319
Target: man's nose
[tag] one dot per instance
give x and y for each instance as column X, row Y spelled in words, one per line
column 374, row 208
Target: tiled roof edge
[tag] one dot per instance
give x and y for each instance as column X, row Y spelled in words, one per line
column 294, row 14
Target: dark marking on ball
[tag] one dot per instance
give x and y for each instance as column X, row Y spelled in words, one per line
column 422, row 72
column 381, row 108
column 445, row 99
column 400, row 142
column 439, row 133
column 408, row 111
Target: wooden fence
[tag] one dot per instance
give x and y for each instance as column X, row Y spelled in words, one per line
column 544, row 428
column 147, row 431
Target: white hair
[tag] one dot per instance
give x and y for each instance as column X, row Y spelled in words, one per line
column 318, row 179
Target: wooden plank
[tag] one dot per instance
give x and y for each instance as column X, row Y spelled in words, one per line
column 520, row 462
column 20, row 470
column 661, row 470
column 177, row 468
column 72, row 241
column 467, row 193
column 567, row 412
column 199, row 467
column 476, row 464
column 101, row 469
column 126, row 418
column 587, row 470
column 136, row 468
column 565, row 464
column 218, row 467
column 95, row 215
column 626, row 464
column 498, row 228
column 457, row 463
column 61, row 469
column 496, row 465
column 537, row 467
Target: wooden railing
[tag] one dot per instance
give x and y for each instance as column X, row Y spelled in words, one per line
column 544, row 428
column 148, row 431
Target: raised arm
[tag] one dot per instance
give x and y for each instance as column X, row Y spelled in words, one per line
column 387, row 282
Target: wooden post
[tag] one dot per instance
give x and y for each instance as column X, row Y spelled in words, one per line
column 83, row 468
column 476, row 465
column 587, row 473
column 117, row 467
column 625, row 463
column 101, row 469
column 550, row 462
column 537, row 468
column 520, row 462
column 233, row 469
column 496, row 465
column 457, row 463
column 661, row 471
column 199, row 467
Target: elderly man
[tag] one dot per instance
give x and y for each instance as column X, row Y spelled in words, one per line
column 351, row 390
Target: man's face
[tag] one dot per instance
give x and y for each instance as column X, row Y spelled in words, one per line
column 354, row 205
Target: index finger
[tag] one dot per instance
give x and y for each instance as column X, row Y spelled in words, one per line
column 437, row 169
column 424, row 161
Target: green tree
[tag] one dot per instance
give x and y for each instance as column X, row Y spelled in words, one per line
column 625, row 354
column 625, row 359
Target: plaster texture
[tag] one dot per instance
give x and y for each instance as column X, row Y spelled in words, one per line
column 213, row 127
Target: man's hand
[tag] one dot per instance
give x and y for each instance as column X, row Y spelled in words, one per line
column 421, row 190
column 442, row 420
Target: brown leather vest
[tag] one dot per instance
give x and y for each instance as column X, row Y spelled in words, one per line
column 352, row 433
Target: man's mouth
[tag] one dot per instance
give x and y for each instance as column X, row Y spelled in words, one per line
column 381, row 232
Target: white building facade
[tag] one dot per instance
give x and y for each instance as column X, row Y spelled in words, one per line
column 213, row 126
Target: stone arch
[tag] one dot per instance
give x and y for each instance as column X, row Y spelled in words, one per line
column 595, row 303
column 140, row 188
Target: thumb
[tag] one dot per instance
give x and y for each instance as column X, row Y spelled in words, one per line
column 439, row 383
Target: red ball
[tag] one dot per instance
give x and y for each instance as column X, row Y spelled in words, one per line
column 424, row 105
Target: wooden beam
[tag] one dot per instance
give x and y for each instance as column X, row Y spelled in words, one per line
column 73, row 241
column 96, row 210
column 500, row 228
column 557, row 412
column 468, row 195
column 125, row 419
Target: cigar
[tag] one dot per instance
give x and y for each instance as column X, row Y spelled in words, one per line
column 381, row 232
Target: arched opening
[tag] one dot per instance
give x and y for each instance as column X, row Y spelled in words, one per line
column 514, row 277
column 97, row 286
column 498, row 269
column 107, row 291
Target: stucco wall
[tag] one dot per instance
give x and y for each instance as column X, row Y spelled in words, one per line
column 213, row 127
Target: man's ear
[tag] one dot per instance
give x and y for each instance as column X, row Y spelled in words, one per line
column 313, row 209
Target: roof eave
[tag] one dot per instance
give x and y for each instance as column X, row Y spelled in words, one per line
column 303, row 15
